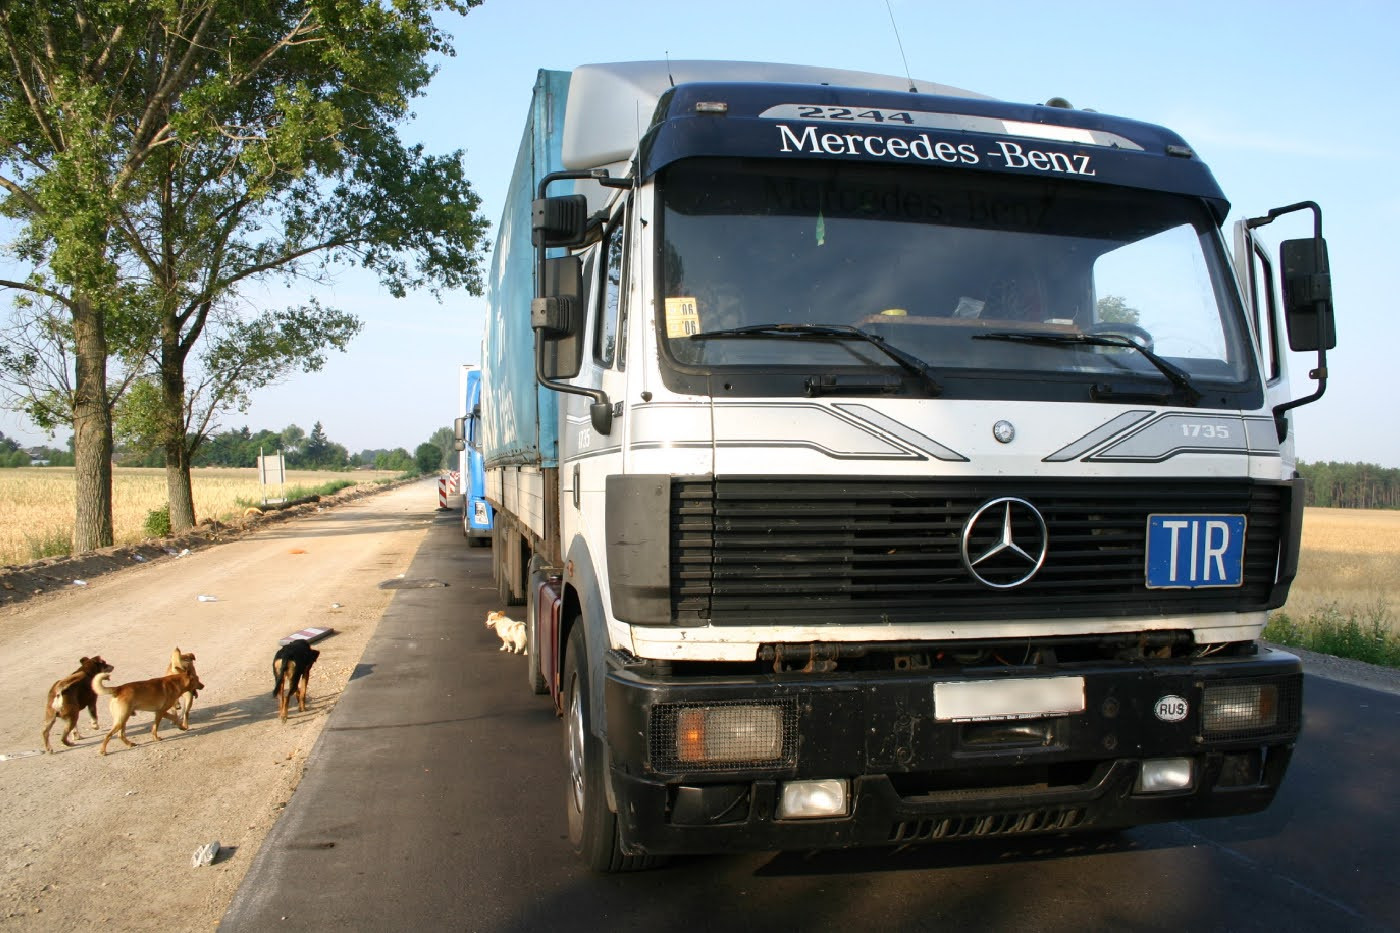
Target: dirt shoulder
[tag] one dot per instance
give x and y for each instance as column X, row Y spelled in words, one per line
column 107, row 841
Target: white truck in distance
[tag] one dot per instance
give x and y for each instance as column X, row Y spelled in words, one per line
column 884, row 465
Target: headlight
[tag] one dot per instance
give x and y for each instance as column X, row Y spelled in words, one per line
column 1239, row 708
column 710, row 735
column 1164, row 775
column 806, row 800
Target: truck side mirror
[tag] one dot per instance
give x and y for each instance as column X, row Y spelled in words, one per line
column 558, row 317
column 459, row 434
column 1307, row 294
column 559, row 221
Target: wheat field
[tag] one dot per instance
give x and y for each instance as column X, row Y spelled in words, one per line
column 37, row 503
column 1351, row 559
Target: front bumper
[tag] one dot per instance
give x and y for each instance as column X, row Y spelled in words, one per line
column 914, row 777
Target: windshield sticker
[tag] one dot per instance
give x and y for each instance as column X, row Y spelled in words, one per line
column 682, row 317
column 1014, row 155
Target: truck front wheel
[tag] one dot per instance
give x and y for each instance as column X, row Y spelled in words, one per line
column 593, row 830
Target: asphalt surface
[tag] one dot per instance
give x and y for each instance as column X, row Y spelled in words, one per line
column 434, row 801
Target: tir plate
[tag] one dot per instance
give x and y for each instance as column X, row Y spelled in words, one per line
column 1194, row 551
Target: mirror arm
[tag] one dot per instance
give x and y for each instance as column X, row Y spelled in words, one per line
column 1319, row 373
column 600, row 413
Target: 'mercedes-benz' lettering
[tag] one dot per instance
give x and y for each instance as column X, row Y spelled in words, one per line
column 879, row 146
column 1017, row 156
column 1012, row 154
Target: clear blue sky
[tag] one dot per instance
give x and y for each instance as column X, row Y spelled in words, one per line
column 1286, row 101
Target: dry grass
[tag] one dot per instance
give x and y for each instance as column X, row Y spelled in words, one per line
column 1350, row 560
column 37, row 503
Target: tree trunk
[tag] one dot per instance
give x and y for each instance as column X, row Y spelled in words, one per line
column 178, row 489
column 92, row 431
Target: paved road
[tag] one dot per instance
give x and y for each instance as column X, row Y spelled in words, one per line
column 433, row 801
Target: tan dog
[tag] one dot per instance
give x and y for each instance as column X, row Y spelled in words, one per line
column 180, row 662
column 70, row 696
column 511, row 632
column 157, row 695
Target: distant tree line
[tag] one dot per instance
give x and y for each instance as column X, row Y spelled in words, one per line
column 13, row 455
column 1351, row 485
column 302, row 451
column 241, row 447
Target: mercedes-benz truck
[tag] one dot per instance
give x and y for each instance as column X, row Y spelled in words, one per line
column 881, row 463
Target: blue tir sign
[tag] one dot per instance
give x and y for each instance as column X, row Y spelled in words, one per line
column 1189, row 551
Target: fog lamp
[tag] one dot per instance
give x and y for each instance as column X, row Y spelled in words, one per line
column 724, row 734
column 805, row 800
column 1239, row 708
column 1160, row 775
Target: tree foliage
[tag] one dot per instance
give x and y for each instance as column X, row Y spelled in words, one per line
column 445, row 440
column 161, row 155
column 427, row 457
column 1115, row 308
column 36, row 363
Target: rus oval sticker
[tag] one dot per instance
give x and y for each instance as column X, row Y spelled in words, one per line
column 1171, row 708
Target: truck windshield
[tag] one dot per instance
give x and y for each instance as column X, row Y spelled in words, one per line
column 930, row 260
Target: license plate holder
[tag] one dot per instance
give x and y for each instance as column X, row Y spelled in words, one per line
column 1015, row 698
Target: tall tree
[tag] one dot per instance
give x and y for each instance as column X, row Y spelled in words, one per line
column 445, row 439
column 181, row 150
column 67, row 163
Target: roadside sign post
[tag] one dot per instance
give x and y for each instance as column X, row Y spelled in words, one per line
column 272, row 469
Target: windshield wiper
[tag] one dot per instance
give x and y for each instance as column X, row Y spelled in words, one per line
column 1175, row 374
column 909, row 361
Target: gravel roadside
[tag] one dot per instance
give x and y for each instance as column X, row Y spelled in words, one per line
column 92, row 841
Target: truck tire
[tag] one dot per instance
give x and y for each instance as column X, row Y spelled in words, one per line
column 503, row 585
column 505, row 557
column 593, row 830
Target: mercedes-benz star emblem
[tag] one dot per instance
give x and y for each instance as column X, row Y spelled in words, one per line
column 1004, row 542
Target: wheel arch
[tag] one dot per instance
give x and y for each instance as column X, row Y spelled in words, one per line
column 583, row 605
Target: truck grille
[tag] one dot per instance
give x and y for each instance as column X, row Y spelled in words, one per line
column 771, row 549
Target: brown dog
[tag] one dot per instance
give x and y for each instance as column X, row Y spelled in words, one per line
column 70, row 696
column 180, row 662
column 157, row 695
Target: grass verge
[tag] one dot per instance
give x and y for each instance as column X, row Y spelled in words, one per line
column 1368, row 637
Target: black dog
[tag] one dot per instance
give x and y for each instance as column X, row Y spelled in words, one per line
column 291, row 672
